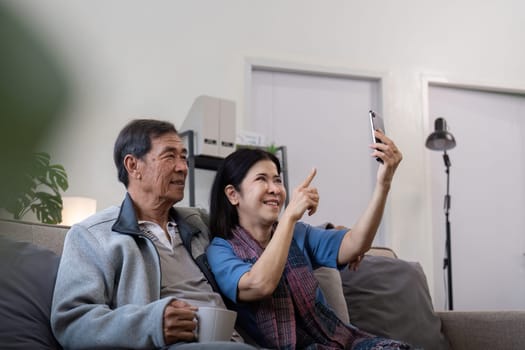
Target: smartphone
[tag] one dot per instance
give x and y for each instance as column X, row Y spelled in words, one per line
column 376, row 122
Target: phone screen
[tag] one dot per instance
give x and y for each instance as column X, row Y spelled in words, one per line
column 376, row 122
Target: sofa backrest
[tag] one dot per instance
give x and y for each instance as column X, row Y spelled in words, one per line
column 29, row 258
column 370, row 288
column 46, row 236
column 52, row 237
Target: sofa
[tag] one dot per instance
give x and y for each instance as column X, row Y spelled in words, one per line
column 385, row 296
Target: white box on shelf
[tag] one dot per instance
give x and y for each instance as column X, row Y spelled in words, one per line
column 251, row 138
column 226, row 128
column 213, row 122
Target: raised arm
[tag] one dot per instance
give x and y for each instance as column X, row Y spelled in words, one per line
column 359, row 239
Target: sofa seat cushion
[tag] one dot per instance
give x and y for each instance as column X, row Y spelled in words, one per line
column 390, row 298
column 27, row 274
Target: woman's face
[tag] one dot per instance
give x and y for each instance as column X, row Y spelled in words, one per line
column 261, row 196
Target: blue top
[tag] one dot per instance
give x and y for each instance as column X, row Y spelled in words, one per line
column 320, row 247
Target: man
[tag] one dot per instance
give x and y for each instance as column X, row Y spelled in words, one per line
column 126, row 279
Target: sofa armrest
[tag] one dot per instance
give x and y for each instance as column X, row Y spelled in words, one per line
column 382, row 251
column 484, row 329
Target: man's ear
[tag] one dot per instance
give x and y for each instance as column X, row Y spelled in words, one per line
column 132, row 166
column 232, row 194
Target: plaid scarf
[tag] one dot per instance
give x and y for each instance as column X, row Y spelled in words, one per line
column 293, row 317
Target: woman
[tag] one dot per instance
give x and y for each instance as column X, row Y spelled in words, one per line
column 264, row 266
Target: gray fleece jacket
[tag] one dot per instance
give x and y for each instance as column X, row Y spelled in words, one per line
column 107, row 292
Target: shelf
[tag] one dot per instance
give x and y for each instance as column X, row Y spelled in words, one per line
column 213, row 163
column 208, row 162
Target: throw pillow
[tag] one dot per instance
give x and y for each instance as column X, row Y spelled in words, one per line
column 28, row 275
column 390, row 298
column 330, row 284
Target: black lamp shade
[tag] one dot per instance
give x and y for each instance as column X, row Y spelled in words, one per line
column 440, row 139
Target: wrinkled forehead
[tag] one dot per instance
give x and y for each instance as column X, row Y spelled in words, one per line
column 169, row 140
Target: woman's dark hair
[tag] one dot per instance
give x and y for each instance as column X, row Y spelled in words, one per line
column 135, row 139
column 223, row 215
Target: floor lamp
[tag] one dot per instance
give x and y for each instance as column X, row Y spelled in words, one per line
column 442, row 140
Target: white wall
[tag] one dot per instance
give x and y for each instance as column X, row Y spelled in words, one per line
column 153, row 58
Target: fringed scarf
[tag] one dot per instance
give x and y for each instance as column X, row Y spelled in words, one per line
column 292, row 317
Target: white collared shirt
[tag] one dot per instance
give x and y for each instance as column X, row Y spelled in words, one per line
column 154, row 232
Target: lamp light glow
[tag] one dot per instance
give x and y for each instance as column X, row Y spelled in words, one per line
column 76, row 209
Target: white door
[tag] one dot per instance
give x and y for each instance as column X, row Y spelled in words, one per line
column 487, row 185
column 323, row 122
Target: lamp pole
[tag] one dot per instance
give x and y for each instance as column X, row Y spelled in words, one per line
column 447, row 262
column 442, row 140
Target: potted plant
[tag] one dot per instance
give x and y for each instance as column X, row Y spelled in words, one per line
column 40, row 191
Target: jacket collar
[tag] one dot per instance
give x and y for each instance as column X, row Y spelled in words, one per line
column 127, row 220
column 185, row 229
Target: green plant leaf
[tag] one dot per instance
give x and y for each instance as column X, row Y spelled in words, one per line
column 40, row 192
column 272, row 149
column 58, row 177
column 51, row 212
column 40, row 166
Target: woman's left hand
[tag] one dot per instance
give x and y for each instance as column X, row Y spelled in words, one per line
column 388, row 152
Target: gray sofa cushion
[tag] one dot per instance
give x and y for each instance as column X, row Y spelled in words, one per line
column 389, row 297
column 331, row 286
column 28, row 274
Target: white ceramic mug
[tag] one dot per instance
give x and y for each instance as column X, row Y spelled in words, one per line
column 215, row 324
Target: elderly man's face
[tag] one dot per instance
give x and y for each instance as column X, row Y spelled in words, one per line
column 164, row 168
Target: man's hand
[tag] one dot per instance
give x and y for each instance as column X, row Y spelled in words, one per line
column 353, row 265
column 179, row 322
